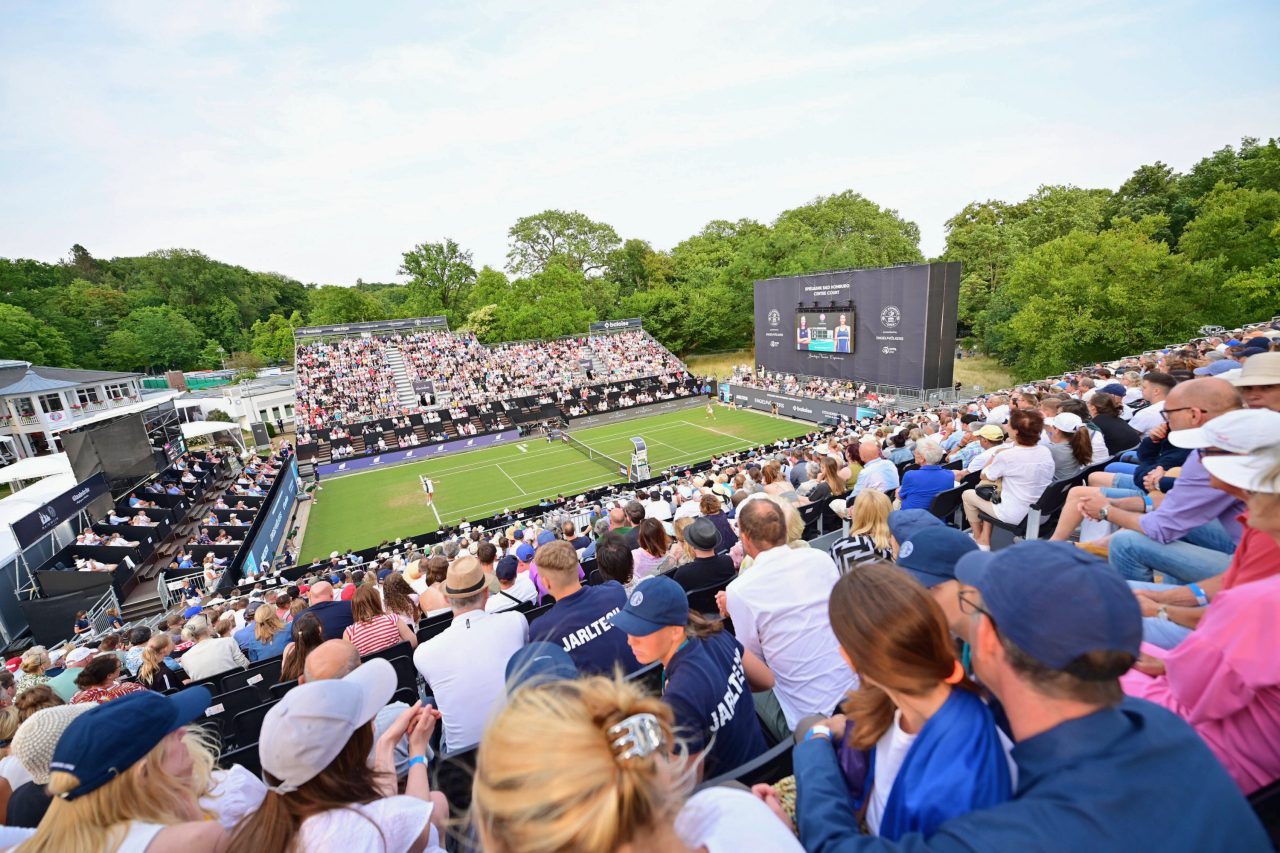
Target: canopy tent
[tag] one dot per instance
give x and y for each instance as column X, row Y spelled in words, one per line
column 35, row 467
column 199, row 429
column 186, row 404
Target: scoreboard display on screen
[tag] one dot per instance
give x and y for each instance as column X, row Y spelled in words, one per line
column 824, row 331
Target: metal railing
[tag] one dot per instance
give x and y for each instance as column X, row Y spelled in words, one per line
column 98, row 617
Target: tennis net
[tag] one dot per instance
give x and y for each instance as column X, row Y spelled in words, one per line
column 617, row 467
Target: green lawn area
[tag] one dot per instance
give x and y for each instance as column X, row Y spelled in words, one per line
column 983, row 371
column 361, row 510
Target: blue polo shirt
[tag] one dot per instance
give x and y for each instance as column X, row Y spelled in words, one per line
column 919, row 485
column 579, row 623
column 335, row 617
column 707, row 689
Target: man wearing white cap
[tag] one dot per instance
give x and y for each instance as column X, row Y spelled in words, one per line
column 1172, row 612
column 64, row 683
column 1190, row 534
column 318, row 733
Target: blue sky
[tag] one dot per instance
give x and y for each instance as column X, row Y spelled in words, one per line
column 323, row 139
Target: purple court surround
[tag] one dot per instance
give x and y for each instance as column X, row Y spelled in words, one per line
column 415, row 454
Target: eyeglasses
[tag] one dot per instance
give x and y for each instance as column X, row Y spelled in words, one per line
column 1164, row 413
column 970, row 606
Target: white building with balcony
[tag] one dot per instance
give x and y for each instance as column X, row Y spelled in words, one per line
column 38, row 403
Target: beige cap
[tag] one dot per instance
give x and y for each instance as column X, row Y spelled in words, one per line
column 1260, row 369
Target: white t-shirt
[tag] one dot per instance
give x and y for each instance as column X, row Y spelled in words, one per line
column 724, row 820
column 522, row 589
column 1148, row 419
column 11, row 768
column 391, row 825
column 466, row 667
column 891, row 751
column 1023, row 473
column 234, row 793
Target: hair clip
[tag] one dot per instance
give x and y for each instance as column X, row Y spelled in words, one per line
column 638, row 736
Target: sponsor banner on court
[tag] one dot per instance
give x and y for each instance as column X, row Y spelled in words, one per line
column 644, row 411
column 415, row 454
column 801, row 408
column 615, row 325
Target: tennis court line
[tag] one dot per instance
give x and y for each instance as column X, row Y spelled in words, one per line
column 512, row 479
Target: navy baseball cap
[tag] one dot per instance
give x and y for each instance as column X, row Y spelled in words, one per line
column 1115, row 389
column 384, row 574
column 546, row 537
column 524, row 552
column 903, row 523
column 1217, row 367
column 931, row 552
column 538, row 663
column 1055, row 601
column 518, row 534
column 656, row 603
column 101, row 744
column 507, row 568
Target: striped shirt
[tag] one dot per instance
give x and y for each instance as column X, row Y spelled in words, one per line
column 374, row 635
column 852, row 551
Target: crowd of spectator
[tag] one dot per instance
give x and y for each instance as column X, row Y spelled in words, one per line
column 351, row 380
column 935, row 694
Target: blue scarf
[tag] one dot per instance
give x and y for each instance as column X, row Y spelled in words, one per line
column 956, row 765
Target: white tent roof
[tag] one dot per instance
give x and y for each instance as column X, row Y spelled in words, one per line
column 148, row 402
column 36, row 467
column 186, row 404
column 23, row 503
column 203, row 428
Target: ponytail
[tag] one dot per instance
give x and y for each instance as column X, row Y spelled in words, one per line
column 1082, row 445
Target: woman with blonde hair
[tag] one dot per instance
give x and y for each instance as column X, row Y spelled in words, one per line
column 868, row 538
column 774, row 483
column 127, row 777
column 374, row 629
column 270, row 635
column 155, row 674
column 35, row 661
column 936, row 752
column 604, row 774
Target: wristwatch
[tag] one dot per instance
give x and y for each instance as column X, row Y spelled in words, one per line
column 1162, row 612
column 1103, row 513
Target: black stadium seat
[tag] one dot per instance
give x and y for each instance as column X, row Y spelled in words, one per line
column 537, row 611
column 650, row 677
column 704, row 600
column 1042, row 513
column 771, row 767
column 434, row 627
column 399, row 650
column 278, row 690
column 406, row 673
column 261, row 675
column 249, row 723
column 949, row 506
column 246, row 757
column 225, row 706
column 1266, row 805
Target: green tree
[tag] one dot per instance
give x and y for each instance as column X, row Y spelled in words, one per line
column 218, row 416
column 211, row 356
column 1084, row 297
column 123, row 351
column 1240, row 227
column 273, row 338
column 544, row 305
column 442, row 267
column 332, row 304
column 555, row 237
column 166, row 340
column 23, row 337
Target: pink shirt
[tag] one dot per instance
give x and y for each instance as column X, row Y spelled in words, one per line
column 1224, row 679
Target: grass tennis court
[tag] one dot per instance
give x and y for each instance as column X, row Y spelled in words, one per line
column 361, row 510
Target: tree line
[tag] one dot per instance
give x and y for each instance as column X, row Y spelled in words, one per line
column 1066, row 276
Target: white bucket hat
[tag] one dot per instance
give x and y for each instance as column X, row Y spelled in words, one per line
column 1238, row 431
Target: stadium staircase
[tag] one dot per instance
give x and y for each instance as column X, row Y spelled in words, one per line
column 398, row 371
